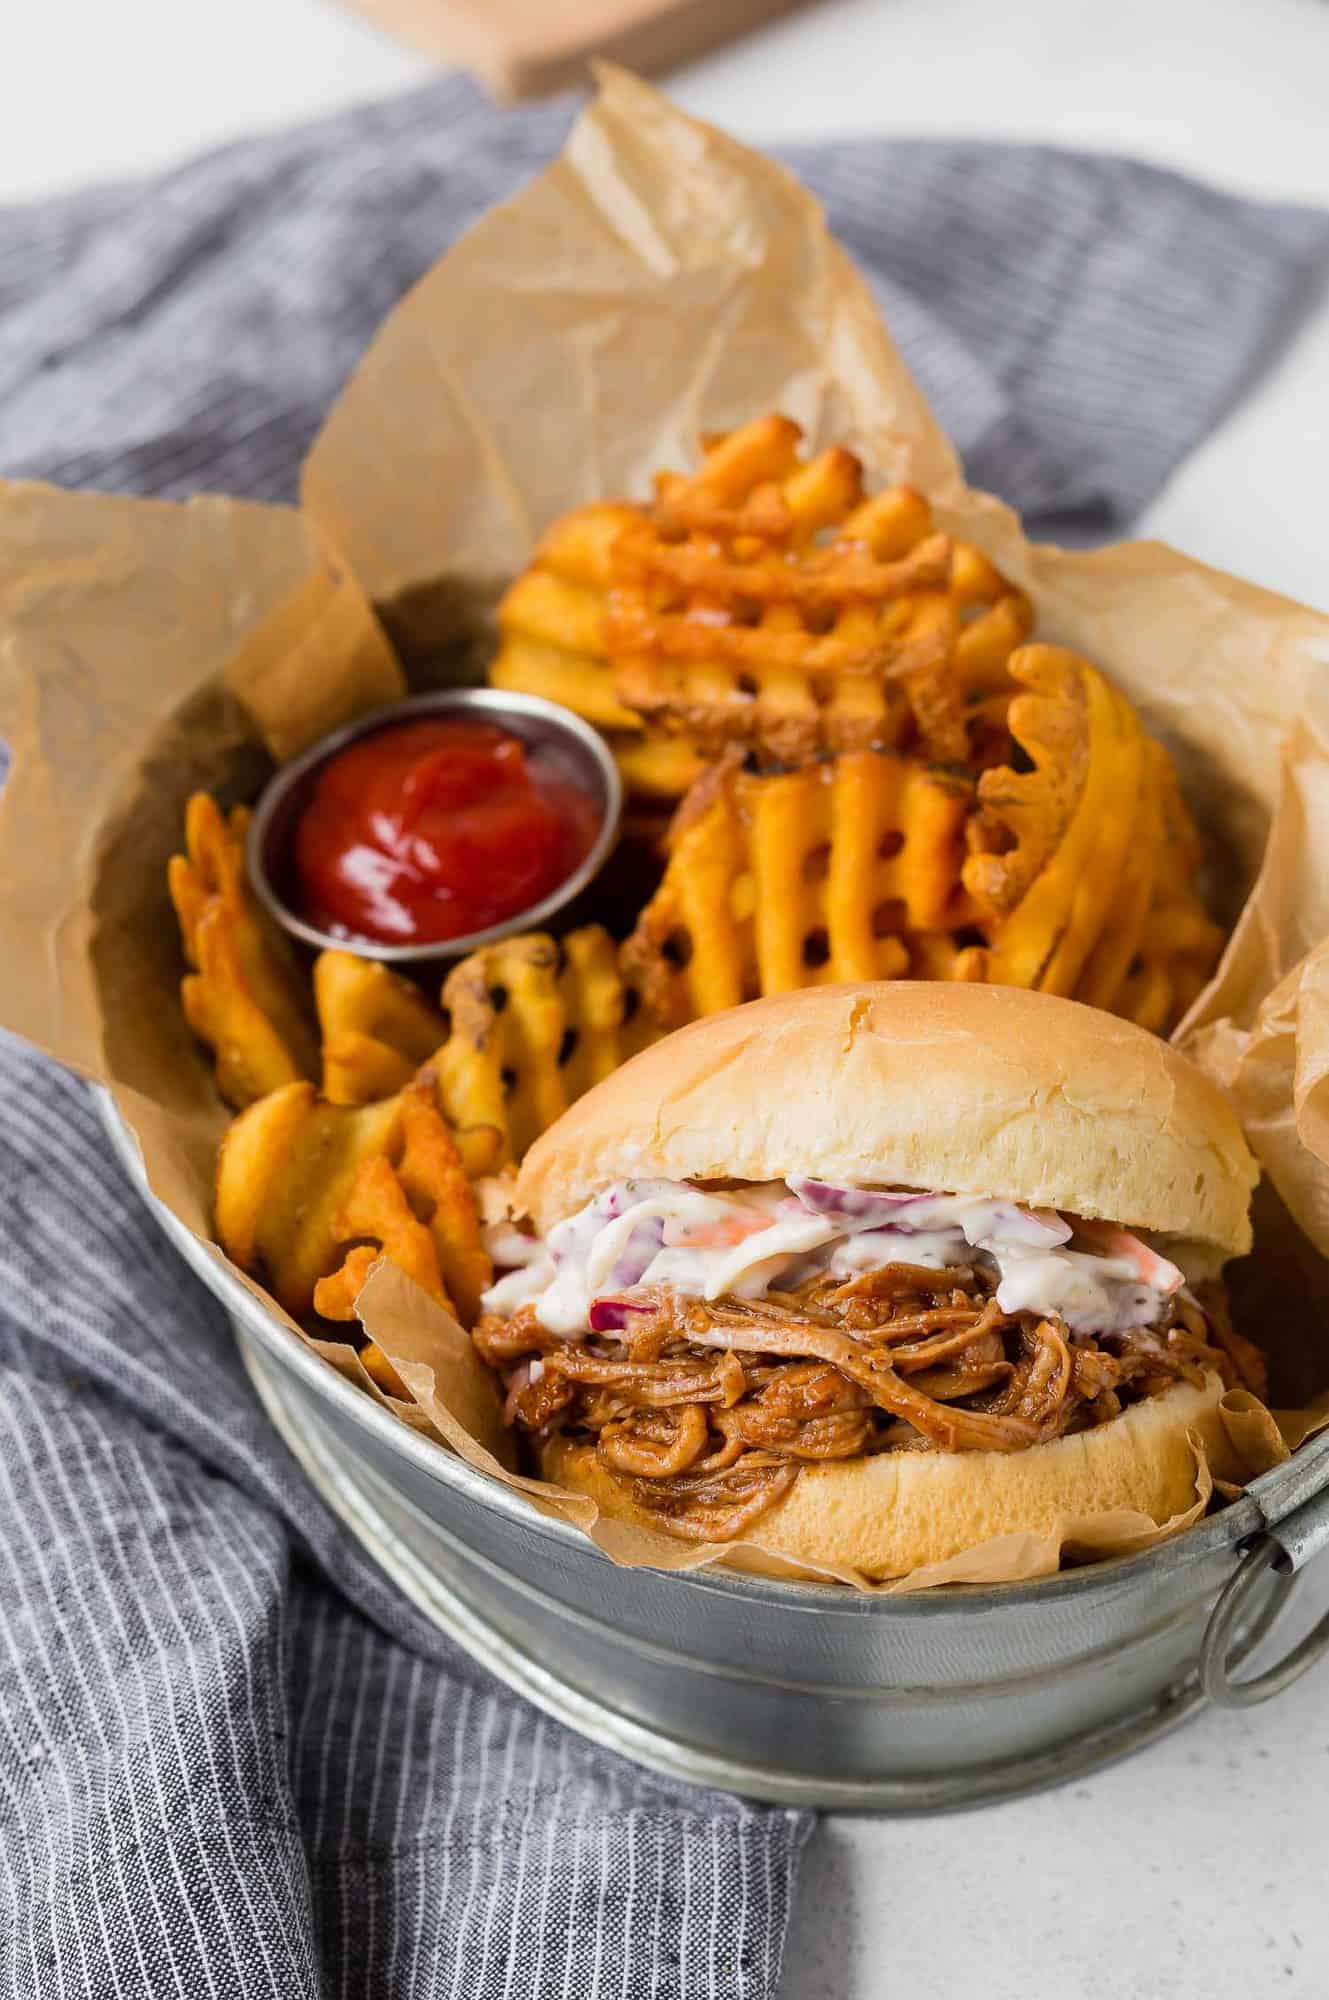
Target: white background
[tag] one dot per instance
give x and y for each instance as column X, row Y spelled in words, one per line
column 1201, row 1866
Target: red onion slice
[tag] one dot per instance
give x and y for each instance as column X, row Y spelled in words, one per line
column 611, row 1315
column 638, row 1252
column 862, row 1207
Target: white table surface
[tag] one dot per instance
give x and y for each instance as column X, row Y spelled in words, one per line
column 1199, row 1868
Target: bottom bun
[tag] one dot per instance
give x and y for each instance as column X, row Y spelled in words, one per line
column 897, row 1512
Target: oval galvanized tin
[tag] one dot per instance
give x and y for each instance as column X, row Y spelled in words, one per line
column 800, row 1693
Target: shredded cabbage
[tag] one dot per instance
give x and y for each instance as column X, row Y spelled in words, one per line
column 749, row 1241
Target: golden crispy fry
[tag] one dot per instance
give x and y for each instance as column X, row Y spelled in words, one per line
column 1180, row 944
column 840, row 870
column 377, row 1208
column 946, row 955
column 377, row 1027
column 251, row 1056
column 1026, row 814
column 552, row 620
column 434, row 1180
column 308, row 1189
column 1072, row 818
column 335, row 1297
column 732, row 617
column 1117, row 946
column 765, row 600
column 533, row 1025
column 657, row 766
column 284, row 1175
column 245, row 997
column 1082, row 866
column 552, row 626
column 377, row 1365
column 580, row 682
column 418, row 1210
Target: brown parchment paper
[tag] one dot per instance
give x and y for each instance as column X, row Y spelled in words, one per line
column 657, row 282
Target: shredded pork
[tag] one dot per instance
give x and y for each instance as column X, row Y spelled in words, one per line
column 707, row 1410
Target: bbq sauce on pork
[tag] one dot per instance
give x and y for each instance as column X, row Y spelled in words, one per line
column 708, row 1408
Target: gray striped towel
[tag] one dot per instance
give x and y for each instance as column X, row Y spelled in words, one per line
column 233, row 1760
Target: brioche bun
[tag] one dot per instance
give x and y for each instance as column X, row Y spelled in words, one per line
column 961, row 1089
column 891, row 1514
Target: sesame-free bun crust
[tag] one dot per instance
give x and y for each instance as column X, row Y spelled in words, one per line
column 965, row 1089
column 891, row 1514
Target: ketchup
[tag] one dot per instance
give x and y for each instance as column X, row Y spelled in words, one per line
column 429, row 830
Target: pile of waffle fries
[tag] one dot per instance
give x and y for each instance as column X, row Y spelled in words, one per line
column 875, row 773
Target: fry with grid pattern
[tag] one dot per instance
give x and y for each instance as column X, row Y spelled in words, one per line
column 533, row 1024
column 766, row 600
column 244, row 996
column 310, row 1193
column 1074, row 876
column 845, row 869
column 1082, row 867
column 552, row 643
column 376, row 1027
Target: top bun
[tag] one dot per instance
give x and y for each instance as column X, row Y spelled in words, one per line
column 965, row 1089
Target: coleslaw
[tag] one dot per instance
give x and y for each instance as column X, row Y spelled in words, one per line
column 766, row 1238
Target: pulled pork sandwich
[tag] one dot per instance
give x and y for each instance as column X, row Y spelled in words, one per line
column 888, row 1270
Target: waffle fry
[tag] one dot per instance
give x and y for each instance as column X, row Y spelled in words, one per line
column 420, row 1213
column 377, row 1207
column 1179, row 944
column 244, row 997
column 836, row 871
column 284, row 1176
column 1082, row 866
column 310, row 1194
column 657, row 767
column 552, row 644
column 552, row 619
column 533, row 1025
column 377, row 1028
column 381, row 1371
column 1072, row 822
column 434, row 1178
column 765, row 600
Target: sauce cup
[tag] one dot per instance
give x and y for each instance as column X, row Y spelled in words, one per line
column 581, row 751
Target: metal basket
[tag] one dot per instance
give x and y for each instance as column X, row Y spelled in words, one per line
column 805, row 1694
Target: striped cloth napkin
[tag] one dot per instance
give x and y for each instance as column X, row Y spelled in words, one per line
column 233, row 1759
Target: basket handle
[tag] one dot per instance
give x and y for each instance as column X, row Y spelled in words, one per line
column 1277, row 1554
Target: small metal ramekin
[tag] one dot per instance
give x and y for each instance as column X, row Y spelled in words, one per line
column 584, row 751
